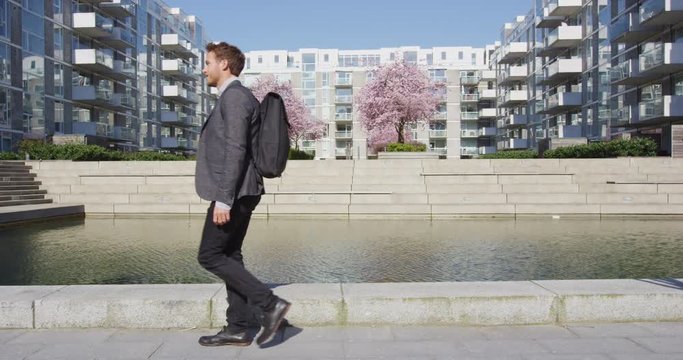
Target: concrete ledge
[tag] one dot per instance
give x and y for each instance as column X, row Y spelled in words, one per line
column 25, row 213
column 462, row 303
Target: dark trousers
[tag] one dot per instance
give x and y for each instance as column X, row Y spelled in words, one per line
column 220, row 252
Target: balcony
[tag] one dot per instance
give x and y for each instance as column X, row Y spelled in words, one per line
column 622, row 116
column 564, row 8
column 626, row 73
column 469, row 80
column 627, row 29
column 469, row 151
column 661, row 59
column 178, row 69
column 120, row 39
column 516, row 120
column 343, row 99
column 91, row 128
column 344, row 134
column 176, row 118
column 343, row 152
column 661, row 12
column 513, row 52
column 488, row 94
column 548, row 22
column 513, row 74
column 514, row 98
column 485, row 150
column 125, row 134
column 343, row 116
column 565, row 131
column 515, row 144
column 442, row 133
column 104, row 97
column 562, row 70
column 469, row 134
column 94, row 60
column 488, row 131
column 438, row 150
column 92, row 25
column 488, row 113
column 122, row 70
column 469, row 115
column 469, row 97
column 665, row 108
column 168, row 142
column 440, row 115
column 173, row 42
column 564, row 37
column 343, row 81
column 179, row 94
column 562, row 102
column 119, row 9
column 488, row 75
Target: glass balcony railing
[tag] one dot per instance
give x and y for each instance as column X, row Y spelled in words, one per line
column 343, row 99
column 344, row 80
column 438, row 133
column 440, row 115
column 469, row 80
column 343, row 134
column 650, row 9
column 125, row 133
column 469, row 115
column 651, row 109
column 439, row 150
column 469, row 97
column 343, row 116
column 472, row 133
column 652, row 58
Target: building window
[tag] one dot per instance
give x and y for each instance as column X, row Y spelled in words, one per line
column 461, row 55
column 392, row 57
column 474, row 59
column 260, row 60
column 327, row 57
column 58, row 43
column 277, row 59
column 5, row 72
column 3, row 19
column 443, row 55
column 430, row 59
column 59, row 80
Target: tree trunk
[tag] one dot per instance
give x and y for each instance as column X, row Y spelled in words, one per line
column 399, row 128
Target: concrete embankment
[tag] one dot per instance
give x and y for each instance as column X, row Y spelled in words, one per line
column 388, row 188
column 462, row 303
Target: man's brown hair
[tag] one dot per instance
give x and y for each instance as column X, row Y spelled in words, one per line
column 231, row 53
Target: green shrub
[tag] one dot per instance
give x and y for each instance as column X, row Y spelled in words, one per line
column 38, row 150
column 511, row 154
column 614, row 148
column 9, row 156
column 407, row 147
column 295, row 154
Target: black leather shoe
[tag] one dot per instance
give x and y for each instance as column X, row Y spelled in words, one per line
column 226, row 337
column 271, row 320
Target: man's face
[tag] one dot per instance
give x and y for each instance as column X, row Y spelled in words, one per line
column 213, row 68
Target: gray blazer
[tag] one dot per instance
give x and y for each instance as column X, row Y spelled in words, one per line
column 225, row 168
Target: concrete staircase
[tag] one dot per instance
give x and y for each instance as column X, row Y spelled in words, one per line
column 18, row 186
column 387, row 188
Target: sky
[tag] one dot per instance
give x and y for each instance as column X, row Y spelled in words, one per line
column 353, row 24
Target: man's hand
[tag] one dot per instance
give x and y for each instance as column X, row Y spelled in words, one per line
column 221, row 216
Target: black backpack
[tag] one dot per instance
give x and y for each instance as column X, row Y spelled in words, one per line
column 272, row 145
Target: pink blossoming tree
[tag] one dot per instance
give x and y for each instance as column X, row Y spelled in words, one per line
column 303, row 125
column 400, row 96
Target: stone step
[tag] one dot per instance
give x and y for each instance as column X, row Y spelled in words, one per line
column 18, row 183
column 14, row 174
column 16, row 178
column 21, row 197
column 23, row 213
column 25, row 202
column 18, row 187
column 23, row 192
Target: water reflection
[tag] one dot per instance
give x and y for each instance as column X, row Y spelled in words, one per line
column 163, row 250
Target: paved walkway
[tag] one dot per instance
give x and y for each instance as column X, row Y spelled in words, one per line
column 642, row 341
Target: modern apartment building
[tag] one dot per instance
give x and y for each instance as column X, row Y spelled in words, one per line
column 591, row 69
column 119, row 73
column 328, row 79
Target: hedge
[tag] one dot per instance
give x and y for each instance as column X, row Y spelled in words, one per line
column 640, row 147
column 408, row 147
column 38, row 150
column 511, row 154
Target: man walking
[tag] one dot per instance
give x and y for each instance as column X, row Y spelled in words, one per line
column 226, row 176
